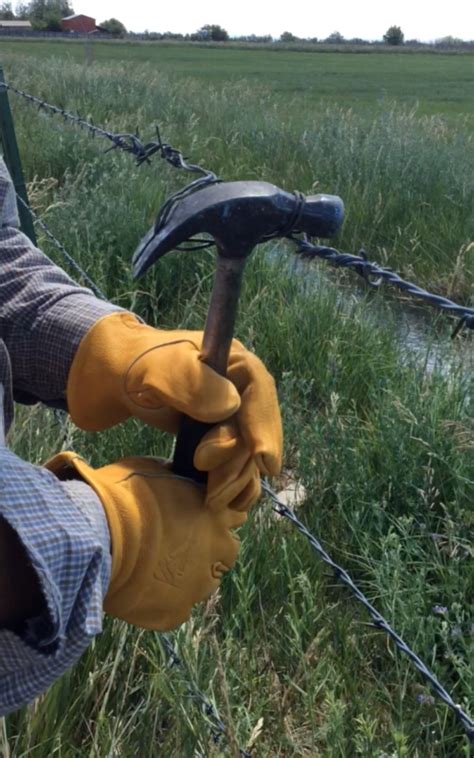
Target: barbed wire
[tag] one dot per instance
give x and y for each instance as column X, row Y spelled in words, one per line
column 67, row 256
column 379, row 621
column 129, row 143
column 367, row 270
column 217, row 726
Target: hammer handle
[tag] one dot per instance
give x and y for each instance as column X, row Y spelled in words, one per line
column 217, row 340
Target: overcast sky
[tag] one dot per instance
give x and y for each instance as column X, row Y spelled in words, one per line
column 419, row 19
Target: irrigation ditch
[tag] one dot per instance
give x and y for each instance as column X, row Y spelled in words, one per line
column 422, row 334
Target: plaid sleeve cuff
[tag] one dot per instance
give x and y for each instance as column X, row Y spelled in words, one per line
column 45, row 314
column 41, row 359
column 63, row 529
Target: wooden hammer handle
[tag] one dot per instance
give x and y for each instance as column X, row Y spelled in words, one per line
column 217, row 340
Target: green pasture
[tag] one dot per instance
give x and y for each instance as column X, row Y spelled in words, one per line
column 383, row 447
column 405, row 176
column 433, row 83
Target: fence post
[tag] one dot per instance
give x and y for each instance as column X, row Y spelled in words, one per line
column 12, row 159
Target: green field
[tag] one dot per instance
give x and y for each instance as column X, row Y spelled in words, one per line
column 383, row 448
column 434, row 84
column 405, row 177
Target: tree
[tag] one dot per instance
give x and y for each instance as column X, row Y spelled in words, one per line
column 6, row 12
column 46, row 15
column 114, row 27
column 22, row 11
column 450, row 42
column 335, row 38
column 393, row 36
column 288, row 37
column 212, row 32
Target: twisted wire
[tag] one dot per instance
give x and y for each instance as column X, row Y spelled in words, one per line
column 129, row 143
column 379, row 621
column 368, row 270
column 67, row 256
column 217, row 725
column 218, row 728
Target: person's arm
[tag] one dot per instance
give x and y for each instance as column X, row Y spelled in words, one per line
column 43, row 314
column 55, row 569
column 20, row 593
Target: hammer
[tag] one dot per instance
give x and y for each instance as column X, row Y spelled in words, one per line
column 238, row 216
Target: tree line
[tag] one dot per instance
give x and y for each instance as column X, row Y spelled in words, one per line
column 46, row 15
column 394, row 36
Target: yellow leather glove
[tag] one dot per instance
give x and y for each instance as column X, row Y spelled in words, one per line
column 169, row 551
column 124, row 368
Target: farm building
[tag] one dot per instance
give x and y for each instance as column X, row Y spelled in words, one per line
column 14, row 26
column 78, row 23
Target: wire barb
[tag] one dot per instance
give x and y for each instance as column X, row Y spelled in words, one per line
column 129, row 143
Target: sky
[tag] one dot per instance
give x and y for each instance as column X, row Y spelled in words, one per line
column 425, row 20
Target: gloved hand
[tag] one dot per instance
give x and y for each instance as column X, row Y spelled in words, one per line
column 169, row 551
column 124, row 368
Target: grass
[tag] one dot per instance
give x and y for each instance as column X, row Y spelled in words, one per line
column 435, row 84
column 405, row 179
column 384, row 449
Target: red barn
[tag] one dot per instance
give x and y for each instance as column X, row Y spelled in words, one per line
column 78, row 23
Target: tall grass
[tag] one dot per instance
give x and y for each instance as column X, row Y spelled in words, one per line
column 407, row 182
column 384, row 450
column 435, row 84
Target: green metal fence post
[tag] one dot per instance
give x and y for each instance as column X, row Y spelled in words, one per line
column 12, row 159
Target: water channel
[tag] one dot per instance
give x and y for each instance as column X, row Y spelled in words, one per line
column 422, row 331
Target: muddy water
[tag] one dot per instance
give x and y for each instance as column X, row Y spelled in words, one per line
column 422, row 332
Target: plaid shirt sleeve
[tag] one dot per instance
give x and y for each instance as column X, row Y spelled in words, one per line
column 62, row 526
column 43, row 313
column 63, row 529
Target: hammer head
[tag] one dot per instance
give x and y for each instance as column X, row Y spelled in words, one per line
column 239, row 215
